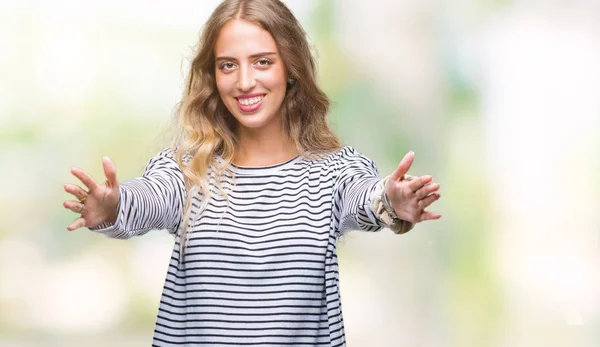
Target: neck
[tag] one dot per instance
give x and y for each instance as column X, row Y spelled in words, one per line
column 262, row 148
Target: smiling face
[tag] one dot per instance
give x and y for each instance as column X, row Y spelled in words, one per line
column 250, row 76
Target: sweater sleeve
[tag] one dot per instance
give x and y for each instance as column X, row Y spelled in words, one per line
column 356, row 180
column 153, row 201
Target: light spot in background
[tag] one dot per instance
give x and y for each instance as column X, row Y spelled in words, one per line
column 541, row 115
column 84, row 295
column 573, row 317
column 150, row 260
column 66, row 72
column 364, row 309
column 19, row 262
column 393, row 43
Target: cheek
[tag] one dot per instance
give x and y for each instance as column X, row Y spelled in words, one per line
column 224, row 84
column 276, row 79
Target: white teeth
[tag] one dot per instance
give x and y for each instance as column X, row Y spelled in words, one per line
column 251, row 101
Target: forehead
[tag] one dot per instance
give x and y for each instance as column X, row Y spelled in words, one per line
column 239, row 38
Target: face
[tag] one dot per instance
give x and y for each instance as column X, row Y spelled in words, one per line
column 250, row 75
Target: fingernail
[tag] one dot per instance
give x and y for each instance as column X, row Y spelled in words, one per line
column 105, row 158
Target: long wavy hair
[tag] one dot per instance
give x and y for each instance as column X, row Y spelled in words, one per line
column 204, row 126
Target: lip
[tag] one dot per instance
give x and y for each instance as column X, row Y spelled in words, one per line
column 248, row 96
column 251, row 108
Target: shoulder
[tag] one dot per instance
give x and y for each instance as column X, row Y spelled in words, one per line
column 172, row 154
column 346, row 158
column 165, row 154
column 349, row 156
column 353, row 164
column 344, row 154
column 164, row 159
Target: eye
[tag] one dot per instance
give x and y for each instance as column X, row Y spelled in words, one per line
column 263, row 62
column 227, row 66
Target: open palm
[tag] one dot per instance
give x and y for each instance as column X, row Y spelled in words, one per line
column 99, row 203
column 409, row 195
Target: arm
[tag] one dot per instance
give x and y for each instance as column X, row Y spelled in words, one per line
column 356, row 182
column 153, row 201
column 365, row 201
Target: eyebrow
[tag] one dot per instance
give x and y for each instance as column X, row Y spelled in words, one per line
column 256, row 55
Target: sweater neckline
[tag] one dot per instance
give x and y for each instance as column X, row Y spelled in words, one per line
column 264, row 169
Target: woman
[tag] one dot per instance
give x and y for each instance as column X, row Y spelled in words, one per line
column 256, row 190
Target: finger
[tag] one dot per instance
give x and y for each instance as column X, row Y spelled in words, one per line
column 403, row 167
column 430, row 216
column 76, row 191
column 74, row 206
column 110, row 172
column 84, row 178
column 426, row 190
column 409, row 178
column 419, row 182
column 424, row 203
column 77, row 223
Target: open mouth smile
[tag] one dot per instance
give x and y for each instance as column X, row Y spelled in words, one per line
column 250, row 103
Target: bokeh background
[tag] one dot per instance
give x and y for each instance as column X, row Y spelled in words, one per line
column 500, row 100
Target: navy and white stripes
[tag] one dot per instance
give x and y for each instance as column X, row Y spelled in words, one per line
column 261, row 270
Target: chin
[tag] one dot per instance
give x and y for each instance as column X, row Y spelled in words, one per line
column 256, row 120
column 251, row 122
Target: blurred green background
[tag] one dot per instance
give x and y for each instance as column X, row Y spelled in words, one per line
column 500, row 100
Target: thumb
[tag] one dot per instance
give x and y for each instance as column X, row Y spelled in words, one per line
column 110, row 172
column 403, row 167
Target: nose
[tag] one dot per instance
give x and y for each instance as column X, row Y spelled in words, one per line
column 246, row 79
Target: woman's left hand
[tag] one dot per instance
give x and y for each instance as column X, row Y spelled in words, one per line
column 409, row 195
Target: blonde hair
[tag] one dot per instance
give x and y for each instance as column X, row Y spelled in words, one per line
column 205, row 128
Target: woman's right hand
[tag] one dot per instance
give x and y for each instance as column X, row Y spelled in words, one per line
column 99, row 203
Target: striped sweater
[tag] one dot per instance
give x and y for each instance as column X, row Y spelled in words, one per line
column 261, row 270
